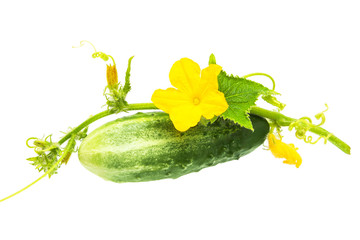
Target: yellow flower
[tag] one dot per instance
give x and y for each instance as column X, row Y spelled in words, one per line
column 283, row 150
column 196, row 95
column 111, row 75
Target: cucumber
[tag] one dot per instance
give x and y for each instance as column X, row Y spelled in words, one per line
column 147, row 147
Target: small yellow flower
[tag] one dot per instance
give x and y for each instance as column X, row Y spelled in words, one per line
column 283, row 150
column 111, row 75
column 196, row 95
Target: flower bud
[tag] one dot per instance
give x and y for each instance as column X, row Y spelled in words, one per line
column 212, row 59
column 111, row 75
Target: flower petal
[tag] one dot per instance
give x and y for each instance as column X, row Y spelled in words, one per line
column 185, row 116
column 209, row 75
column 213, row 103
column 185, row 75
column 169, row 99
column 283, row 150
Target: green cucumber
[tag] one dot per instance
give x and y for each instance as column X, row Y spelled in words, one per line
column 147, row 147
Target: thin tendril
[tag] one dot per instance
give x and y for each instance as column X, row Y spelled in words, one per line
column 304, row 124
column 96, row 54
column 112, row 59
column 306, row 118
column 48, row 137
column 262, row 74
column 322, row 116
column 101, row 55
column 82, row 43
column 27, row 142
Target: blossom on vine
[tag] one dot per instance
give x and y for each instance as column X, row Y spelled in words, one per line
column 196, row 94
column 283, row 150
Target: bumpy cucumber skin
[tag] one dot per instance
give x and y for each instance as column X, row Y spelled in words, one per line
column 147, row 147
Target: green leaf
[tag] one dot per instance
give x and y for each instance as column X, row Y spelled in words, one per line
column 241, row 94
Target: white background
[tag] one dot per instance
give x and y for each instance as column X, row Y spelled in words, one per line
column 312, row 50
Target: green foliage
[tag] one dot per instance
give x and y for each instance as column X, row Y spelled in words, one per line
column 241, row 94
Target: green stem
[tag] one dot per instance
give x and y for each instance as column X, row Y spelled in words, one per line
column 130, row 107
column 85, row 124
column 68, row 149
column 283, row 120
column 280, row 118
column 140, row 106
column 333, row 139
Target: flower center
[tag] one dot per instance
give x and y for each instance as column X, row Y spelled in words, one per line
column 196, row 101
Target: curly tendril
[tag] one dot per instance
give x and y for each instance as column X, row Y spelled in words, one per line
column 96, row 54
column 304, row 124
column 27, row 142
column 261, row 74
column 269, row 98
